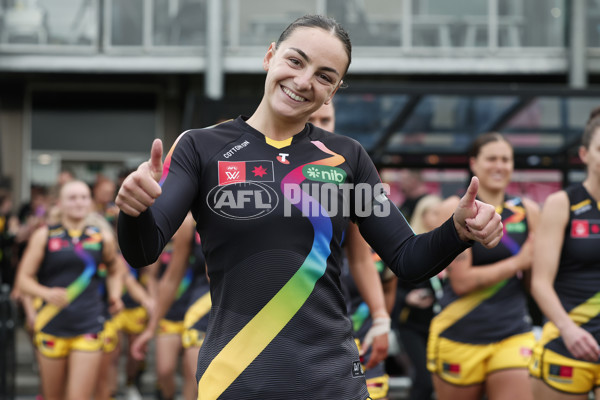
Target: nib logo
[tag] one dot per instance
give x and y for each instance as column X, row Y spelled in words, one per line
column 323, row 173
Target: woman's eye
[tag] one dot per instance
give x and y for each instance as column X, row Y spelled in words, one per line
column 325, row 78
column 295, row 61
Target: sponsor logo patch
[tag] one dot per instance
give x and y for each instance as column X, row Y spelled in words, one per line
column 282, row 158
column 245, row 171
column 323, row 173
column 243, row 201
column 516, row 227
column 357, row 369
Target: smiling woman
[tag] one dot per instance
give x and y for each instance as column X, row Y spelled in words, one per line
column 278, row 327
column 61, row 266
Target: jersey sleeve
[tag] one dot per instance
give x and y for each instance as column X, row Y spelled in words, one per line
column 411, row 257
column 142, row 238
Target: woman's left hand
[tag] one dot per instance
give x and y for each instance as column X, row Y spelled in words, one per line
column 475, row 220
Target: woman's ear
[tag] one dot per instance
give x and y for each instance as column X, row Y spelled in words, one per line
column 269, row 56
column 471, row 164
column 583, row 154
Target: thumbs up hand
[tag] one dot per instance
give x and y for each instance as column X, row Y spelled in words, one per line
column 475, row 220
column 141, row 188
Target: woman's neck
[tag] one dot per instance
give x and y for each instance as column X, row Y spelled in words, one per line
column 593, row 187
column 73, row 224
column 273, row 127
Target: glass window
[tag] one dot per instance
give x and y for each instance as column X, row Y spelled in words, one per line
column 71, row 22
column 372, row 23
column 538, row 127
column 179, row 23
column 126, row 22
column 593, row 23
column 365, row 116
column 447, row 124
column 442, row 23
column 49, row 22
column 532, row 23
column 260, row 22
column 579, row 111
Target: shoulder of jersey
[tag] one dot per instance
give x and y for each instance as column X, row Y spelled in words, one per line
column 220, row 133
column 326, row 136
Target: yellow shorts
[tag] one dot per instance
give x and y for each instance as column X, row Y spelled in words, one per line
column 468, row 364
column 59, row 347
column 110, row 336
column 378, row 387
column 192, row 338
column 132, row 320
column 562, row 373
column 166, row 327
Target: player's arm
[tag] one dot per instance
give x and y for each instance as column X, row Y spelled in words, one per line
column 533, row 217
column 168, row 283
column 390, row 285
column 28, row 268
column 116, row 271
column 418, row 257
column 548, row 245
column 366, row 277
column 150, row 213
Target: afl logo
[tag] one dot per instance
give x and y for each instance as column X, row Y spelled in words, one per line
column 242, row 201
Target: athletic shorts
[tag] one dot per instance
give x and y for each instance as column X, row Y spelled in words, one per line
column 562, row 373
column 110, row 336
column 192, row 338
column 466, row 364
column 167, row 327
column 378, row 385
column 59, row 347
column 132, row 320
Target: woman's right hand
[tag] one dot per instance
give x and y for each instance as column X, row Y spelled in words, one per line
column 581, row 343
column 56, row 296
column 141, row 188
column 139, row 347
column 420, row 298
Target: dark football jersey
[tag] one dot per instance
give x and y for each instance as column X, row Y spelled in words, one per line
column 494, row 313
column 271, row 217
column 577, row 282
column 71, row 261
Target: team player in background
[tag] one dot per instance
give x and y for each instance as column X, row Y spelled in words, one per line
column 278, row 327
column 416, row 304
column 60, row 264
column 104, row 192
column 368, row 301
column 566, row 282
column 186, row 267
column 482, row 339
column 370, row 317
column 176, row 284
